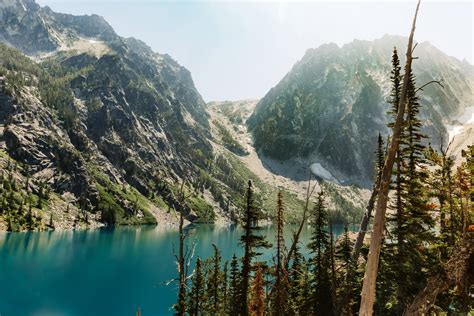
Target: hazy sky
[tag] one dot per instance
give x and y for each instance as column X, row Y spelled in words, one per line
column 239, row 50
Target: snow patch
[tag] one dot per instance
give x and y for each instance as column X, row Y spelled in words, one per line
column 322, row 172
column 467, row 117
column 23, row 6
column 454, row 130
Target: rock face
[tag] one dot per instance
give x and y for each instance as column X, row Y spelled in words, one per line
column 330, row 107
column 33, row 29
column 102, row 118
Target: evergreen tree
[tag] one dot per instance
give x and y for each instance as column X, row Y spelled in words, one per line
column 280, row 289
column 419, row 221
column 9, row 224
column 295, row 282
column 386, row 287
column 29, row 220
column 406, row 257
column 332, row 263
column 196, row 296
column 257, row 302
column 322, row 301
column 234, row 285
column 305, row 297
column 224, row 286
column 347, row 285
column 51, row 223
column 214, row 282
column 396, row 80
column 251, row 241
column 463, row 189
column 399, row 217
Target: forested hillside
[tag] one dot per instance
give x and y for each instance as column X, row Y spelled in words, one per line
column 104, row 124
column 110, row 129
column 424, row 266
column 330, row 107
column 426, row 261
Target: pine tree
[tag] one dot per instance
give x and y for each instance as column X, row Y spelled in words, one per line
column 224, row 286
column 214, row 282
column 280, row 289
column 386, row 287
column 305, row 295
column 370, row 277
column 257, row 302
column 234, row 286
column 380, row 155
column 29, row 220
column 419, row 220
column 322, row 286
column 9, row 224
column 379, row 163
column 295, row 282
column 396, row 80
column 251, row 242
column 463, row 189
column 196, row 296
column 413, row 221
column 332, row 263
column 51, row 223
column 399, row 218
column 439, row 190
column 348, row 289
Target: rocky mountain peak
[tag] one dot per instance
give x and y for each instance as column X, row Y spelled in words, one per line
column 333, row 103
column 34, row 29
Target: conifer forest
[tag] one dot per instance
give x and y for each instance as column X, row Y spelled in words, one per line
column 339, row 181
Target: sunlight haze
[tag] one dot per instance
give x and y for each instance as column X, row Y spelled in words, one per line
column 239, row 50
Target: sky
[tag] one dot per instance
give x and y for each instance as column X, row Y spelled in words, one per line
column 240, row 49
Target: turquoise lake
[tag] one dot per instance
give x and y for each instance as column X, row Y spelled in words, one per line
column 105, row 271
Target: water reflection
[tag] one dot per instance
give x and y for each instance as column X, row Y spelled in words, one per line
column 108, row 271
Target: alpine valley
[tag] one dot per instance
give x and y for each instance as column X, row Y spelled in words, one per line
column 97, row 129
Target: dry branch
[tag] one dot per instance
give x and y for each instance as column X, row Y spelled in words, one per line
column 370, row 277
column 458, row 271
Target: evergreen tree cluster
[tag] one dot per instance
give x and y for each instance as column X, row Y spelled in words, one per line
column 21, row 199
column 431, row 209
column 320, row 284
column 50, row 80
column 425, row 200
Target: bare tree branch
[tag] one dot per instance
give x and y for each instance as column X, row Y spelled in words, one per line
column 296, row 235
column 370, row 277
column 428, row 83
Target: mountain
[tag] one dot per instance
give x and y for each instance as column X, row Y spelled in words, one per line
column 461, row 135
column 232, row 141
column 98, row 129
column 328, row 110
column 33, row 29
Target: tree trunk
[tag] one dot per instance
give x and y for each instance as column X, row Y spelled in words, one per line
column 365, row 221
column 181, row 308
column 296, row 235
column 370, row 277
column 459, row 270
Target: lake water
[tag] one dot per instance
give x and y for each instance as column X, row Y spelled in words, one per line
column 104, row 271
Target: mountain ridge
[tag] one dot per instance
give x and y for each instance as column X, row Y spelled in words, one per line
column 129, row 118
column 99, row 129
column 329, row 108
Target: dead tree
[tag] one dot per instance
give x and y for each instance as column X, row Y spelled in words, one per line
column 458, row 271
column 184, row 256
column 370, row 277
column 365, row 221
column 296, row 235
